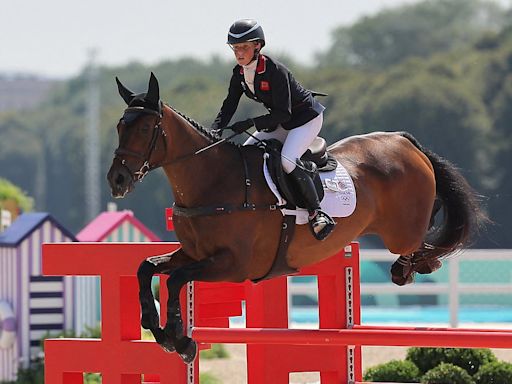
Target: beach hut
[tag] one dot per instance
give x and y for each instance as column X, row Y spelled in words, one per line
column 110, row 226
column 30, row 304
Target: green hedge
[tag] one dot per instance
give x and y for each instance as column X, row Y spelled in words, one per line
column 494, row 373
column 394, row 371
column 446, row 373
column 468, row 359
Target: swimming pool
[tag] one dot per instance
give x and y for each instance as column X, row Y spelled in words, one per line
column 410, row 314
column 416, row 314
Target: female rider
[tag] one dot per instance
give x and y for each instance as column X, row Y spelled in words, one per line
column 294, row 118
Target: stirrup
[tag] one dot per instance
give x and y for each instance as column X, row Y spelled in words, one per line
column 321, row 224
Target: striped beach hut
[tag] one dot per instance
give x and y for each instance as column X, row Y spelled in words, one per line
column 30, row 304
column 110, row 226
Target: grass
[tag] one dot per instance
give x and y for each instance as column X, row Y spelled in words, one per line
column 217, row 351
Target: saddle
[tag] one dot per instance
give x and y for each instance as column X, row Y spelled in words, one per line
column 316, row 159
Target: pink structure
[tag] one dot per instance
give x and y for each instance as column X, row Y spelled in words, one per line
column 116, row 226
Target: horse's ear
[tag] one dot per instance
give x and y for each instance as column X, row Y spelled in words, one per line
column 125, row 93
column 153, row 94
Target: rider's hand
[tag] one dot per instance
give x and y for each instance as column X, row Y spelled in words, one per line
column 217, row 131
column 241, row 126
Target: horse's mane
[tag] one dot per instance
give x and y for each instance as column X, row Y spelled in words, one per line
column 199, row 128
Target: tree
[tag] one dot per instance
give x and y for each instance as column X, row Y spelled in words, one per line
column 417, row 30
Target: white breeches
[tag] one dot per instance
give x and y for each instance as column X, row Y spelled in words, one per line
column 295, row 142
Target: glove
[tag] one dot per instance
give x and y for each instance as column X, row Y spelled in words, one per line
column 217, row 131
column 241, row 126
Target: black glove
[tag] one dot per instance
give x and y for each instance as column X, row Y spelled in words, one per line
column 241, row 126
column 217, row 131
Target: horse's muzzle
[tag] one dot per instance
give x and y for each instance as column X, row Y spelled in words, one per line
column 120, row 180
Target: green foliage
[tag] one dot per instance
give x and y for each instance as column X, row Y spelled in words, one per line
column 447, row 374
column 91, row 332
column 92, row 378
column 217, row 351
column 393, row 371
column 208, row 378
column 468, row 359
column 34, row 374
column 9, row 191
column 417, row 30
column 494, row 373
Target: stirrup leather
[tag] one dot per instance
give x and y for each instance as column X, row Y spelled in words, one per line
column 321, row 224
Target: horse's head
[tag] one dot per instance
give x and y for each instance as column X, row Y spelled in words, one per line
column 139, row 131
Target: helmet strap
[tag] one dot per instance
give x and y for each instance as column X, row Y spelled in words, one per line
column 256, row 53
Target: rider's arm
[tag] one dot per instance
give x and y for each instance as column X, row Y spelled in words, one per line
column 281, row 110
column 230, row 103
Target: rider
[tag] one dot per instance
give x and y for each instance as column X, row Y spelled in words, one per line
column 294, row 118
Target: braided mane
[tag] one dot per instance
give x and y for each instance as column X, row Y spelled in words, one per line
column 200, row 128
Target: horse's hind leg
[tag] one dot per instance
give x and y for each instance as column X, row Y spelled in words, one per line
column 405, row 267
column 149, row 267
column 221, row 267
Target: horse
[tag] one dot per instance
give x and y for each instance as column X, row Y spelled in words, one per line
column 400, row 187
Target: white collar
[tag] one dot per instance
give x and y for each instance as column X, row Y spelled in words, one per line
column 251, row 66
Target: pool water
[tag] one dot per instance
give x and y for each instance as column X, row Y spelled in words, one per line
column 412, row 314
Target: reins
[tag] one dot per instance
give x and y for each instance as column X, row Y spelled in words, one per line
column 146, row 167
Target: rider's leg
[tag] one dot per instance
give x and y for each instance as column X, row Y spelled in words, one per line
column 279, row 133
column 296, row 143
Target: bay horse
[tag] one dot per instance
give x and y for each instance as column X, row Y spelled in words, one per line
column 399, row 184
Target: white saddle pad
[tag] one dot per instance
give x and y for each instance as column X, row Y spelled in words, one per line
column 339, row 194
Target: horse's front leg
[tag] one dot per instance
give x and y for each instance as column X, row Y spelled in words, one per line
column 220, row 267
column 147, row 269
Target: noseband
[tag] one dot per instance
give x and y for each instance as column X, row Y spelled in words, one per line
column 157, row 131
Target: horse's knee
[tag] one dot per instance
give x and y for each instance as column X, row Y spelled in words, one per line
column 146, row 269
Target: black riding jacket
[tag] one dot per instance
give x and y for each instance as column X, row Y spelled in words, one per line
column 287, row 101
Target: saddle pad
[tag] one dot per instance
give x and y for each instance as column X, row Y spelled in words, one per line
column 339, row 199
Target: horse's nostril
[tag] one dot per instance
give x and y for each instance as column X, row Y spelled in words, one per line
column 119, row 179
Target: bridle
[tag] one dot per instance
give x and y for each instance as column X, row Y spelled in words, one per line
column 157, row 131
column 146, row 167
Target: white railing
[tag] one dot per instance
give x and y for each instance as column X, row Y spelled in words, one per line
column 453, row 288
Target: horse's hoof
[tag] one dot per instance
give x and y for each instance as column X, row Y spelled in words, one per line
column 402, row 272
column 428, row 266
column 163, row 340
column 190, row 352
column 168, row 347
column 403, row 280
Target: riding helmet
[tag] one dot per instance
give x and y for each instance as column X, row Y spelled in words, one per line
column 246, row 30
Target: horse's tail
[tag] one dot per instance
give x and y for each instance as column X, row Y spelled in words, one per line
column 462, row 216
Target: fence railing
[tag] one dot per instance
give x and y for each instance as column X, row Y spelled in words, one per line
column 453, row 288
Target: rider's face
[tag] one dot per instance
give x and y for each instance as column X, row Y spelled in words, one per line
column 244, row 52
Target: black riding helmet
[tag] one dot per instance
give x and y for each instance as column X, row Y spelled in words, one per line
column 246, row 30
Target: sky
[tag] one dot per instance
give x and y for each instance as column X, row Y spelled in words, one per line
column 55, row 38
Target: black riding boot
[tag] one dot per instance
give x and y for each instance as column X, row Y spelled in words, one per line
column 320, row 223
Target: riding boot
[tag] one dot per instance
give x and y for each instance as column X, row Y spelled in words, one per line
column 320, row 223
